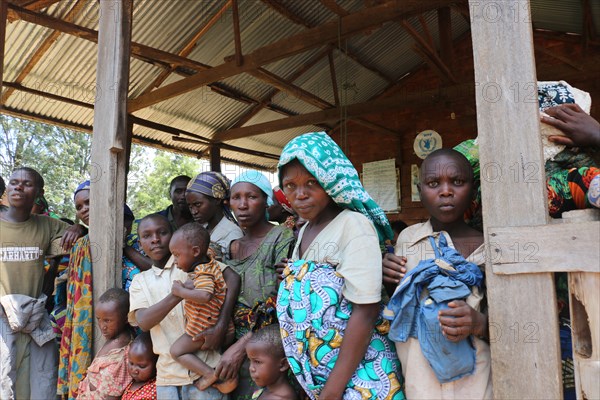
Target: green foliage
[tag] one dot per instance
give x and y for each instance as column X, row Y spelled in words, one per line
column 62, row 156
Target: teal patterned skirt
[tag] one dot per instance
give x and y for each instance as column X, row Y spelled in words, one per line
column 313, row 316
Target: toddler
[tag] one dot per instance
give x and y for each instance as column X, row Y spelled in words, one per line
column 268, row 365
column 107, row 374
column 142, row 369
column 204, row 294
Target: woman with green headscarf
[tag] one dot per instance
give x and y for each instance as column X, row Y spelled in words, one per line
column 329, row 302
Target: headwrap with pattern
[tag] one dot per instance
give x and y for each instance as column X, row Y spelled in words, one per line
column 215, row 185
column 257, row 179
column 82, row 186
column 324, row 159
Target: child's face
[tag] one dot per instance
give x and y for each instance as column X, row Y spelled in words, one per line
column 142, row 367
column 446, row 188
column 110, row 319
column 82, row 206
column 184, row 253
column 304, row 192
column 249, row 203
column 265, row 369
column 154, row 236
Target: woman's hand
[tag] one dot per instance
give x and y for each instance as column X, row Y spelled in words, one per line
column 231, row 361
column 393, row 268
column 70, row 236
column 461, row 320
column 580, row 128
column 279, row 267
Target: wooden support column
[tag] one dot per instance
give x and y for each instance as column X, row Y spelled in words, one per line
column 522, row 308
column 3, row 21
column 109, row 147
column 215, row 158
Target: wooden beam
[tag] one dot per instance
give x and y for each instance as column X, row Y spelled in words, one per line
column 301, row 42
column 529, row 367
column 215, row 156
column 109, row 145
column 352, row 110
column 426, row 31
column 3, row 23
column 334, row 85
column 237, row 40
column 534, row 249
column 37, row 5
column 446, row 41
column 43, row 49
column 334, row 7
column 189, row 47
column 429, row 53
column 589, row 30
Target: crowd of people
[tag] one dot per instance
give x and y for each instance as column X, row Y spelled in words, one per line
column 244, row 291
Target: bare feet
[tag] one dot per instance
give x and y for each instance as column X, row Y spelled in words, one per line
column 204, row 382
column 227, row 386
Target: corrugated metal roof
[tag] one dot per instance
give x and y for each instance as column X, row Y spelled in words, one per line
column 68, row 68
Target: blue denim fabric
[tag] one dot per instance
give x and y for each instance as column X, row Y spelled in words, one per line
column 188, row 392
column 412, row 316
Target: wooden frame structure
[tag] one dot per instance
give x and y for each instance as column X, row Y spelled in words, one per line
column 504, row 56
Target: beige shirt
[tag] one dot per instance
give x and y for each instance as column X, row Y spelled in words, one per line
column 350, row 243
column 147, row 289
column 419, row 378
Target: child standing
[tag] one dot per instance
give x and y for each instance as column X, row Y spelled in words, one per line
column 204, row 294
column 142, row 369
column 107, row 375
column 446, row 190
column 329, row 307
column 268, row 365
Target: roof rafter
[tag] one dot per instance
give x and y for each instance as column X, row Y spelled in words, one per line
column 287, row 47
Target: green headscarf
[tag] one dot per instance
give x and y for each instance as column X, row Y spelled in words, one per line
column 324, row 159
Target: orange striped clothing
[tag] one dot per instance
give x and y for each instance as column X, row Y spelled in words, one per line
column 200, row 317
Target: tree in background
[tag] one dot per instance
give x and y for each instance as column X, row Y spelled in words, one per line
column 62, row 156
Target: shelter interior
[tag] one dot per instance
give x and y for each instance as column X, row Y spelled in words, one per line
column 236, row 80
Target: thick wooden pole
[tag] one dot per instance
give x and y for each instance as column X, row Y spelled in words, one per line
column 3, row 14
column 215, row 158
column 522, row 308
column 109, row 148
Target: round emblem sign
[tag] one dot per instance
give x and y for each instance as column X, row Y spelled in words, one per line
column 426, row 142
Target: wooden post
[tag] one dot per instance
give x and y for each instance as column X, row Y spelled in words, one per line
column 109, row 144
column 522, row 308
column 215, row 158
column 3, row 15
column 584, row 304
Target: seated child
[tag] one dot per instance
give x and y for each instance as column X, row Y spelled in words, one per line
column 204, row 294
column 142, row 369
column 268, row 365
column 329, row 303
column 436, row 310
column 107, row 375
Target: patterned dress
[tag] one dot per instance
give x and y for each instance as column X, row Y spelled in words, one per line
column 313, row 315
column 145, row 392
column 76, row 341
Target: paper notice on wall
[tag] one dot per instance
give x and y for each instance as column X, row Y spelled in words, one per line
column 381, row 180
column 414, row 180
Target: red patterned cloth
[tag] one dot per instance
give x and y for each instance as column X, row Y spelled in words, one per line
column 145, row 392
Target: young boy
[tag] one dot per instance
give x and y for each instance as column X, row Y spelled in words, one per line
column 27, row 360
column 154, row 308
column 446, row 189
column 204, row 294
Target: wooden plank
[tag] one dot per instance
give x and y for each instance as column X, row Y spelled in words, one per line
column 524, row 367
column 301, row 42
column 545, row 248
column 237, row 40
column 334, row 85
column 3, row 23
column 215, row 158
column 109, row 142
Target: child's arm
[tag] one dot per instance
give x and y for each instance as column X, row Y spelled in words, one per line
column 141, row 261
column 200, row 296
column 461, row 320
column 354, row 346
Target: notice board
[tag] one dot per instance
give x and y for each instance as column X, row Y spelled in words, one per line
column 381, row 180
